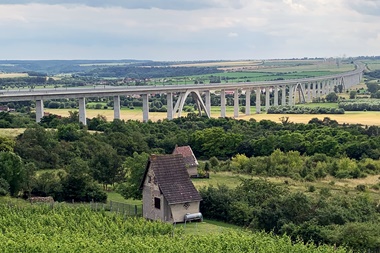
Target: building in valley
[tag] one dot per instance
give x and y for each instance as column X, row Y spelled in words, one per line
column 190, row 160
column 168, row 193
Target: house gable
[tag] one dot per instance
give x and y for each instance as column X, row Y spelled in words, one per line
column 166, row 177
column 188, row 155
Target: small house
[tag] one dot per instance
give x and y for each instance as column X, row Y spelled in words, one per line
column 189, row 158
column 4, row 108
column 168, row 193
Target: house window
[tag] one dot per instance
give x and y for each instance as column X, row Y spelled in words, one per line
column 157, row 203
column 186, row 205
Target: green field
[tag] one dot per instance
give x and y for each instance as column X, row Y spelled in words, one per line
column 339, row 186
column 65, row 228
column 373, row 64
column 11, row 132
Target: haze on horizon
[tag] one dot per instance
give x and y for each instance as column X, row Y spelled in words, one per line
column 188, row 29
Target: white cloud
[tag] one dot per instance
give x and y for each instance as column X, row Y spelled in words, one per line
column 191, row 29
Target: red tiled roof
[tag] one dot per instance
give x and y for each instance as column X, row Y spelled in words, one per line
column 172, row 178
column 187, row 154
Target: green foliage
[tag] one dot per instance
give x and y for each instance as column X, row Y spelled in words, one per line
column 259, row 204
column 4, row 187
column 8, row 120
column 67, row 229
column 216, row 142
column 134, row 168
column 37, row 145
column 303, row 110
column 6, row 144
column 332, row 97
column 79, row 186
column 361, row 187
column 311, row 188
column 12, row 171
column 69, row 132
column 353, row 94
column 360, row 105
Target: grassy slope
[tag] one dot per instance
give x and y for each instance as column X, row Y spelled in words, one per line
column 205, row 227
column 11, row 132
column 340, row 186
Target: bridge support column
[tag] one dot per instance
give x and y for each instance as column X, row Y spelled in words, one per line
column 236, row 103
column 267, row 99
column 291, row 94
column 39, row 110
column 258, row 100
column 275, row 90
column 314, row 94
column 318, row 89
column 169, row 98
column 309, row 92
column 248, row 102
column 145, row 107
column 116, row 107
column 223, row 103
column 304, row 93
column 208, row 101
column 283, row 96
column 326, row 87
column 82, row 111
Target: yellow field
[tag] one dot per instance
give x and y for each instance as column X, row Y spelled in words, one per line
column 13, row 75
column 365, row 118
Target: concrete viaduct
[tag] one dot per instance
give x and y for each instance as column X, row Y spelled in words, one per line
column 303, row 90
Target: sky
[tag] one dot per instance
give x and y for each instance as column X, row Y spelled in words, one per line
column 181, row 30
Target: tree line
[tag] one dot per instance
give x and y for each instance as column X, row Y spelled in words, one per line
column 323, row 218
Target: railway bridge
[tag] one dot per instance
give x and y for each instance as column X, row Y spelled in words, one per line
column 284, row 92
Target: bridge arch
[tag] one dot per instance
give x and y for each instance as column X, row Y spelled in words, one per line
column 197, row 98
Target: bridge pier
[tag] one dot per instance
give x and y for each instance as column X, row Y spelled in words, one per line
column 309, row 92
column 145, row 107
column 82, row 110
column 248, row 102
column 283, row 96
column 291, row 94
column 223, row 103
column 208, row 101
column 116, row 107
column 267, row 98
column 303, row 85
column 258, row 100
column 39, row 110
column 275, row 90
column 169, row 98
column 236, row 103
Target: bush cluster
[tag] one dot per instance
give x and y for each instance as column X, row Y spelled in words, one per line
column 325, row 218
column 303, row 110
column 360, row 105
column 300, row 167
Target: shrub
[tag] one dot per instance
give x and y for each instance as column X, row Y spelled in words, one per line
column 361, row 187
column 311, row 188
column 310, row 178
column 4, row 187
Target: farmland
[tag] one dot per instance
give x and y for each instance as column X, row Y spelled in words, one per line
column 40, row 228
column 364, row 118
